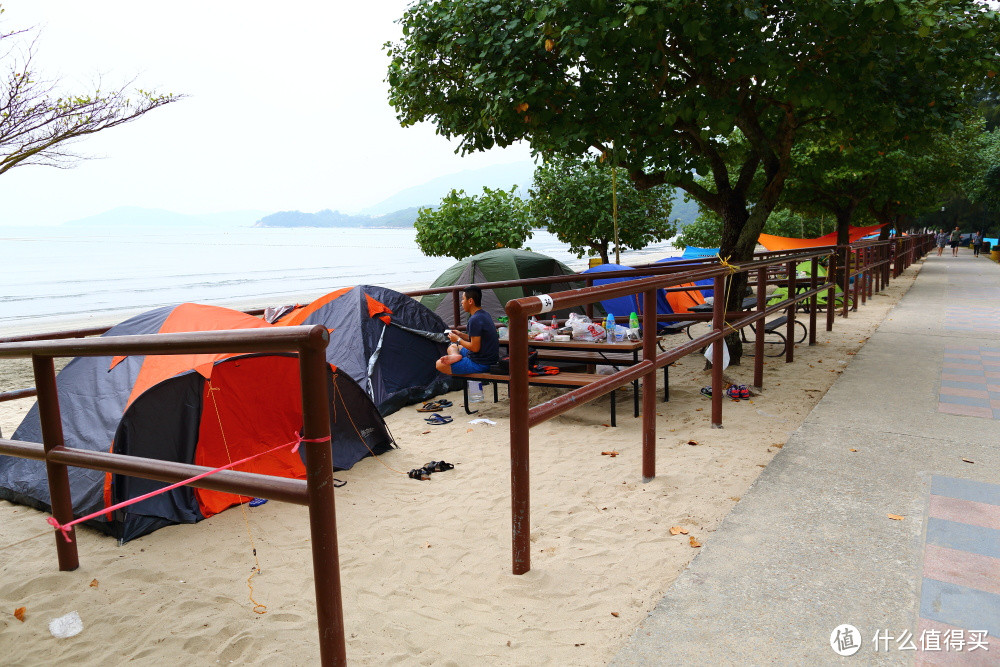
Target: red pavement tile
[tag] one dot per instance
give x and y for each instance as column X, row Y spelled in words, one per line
column 953, row 358
column 962, row 568
column 965, row 410
column 976, row 658
column 993, row 387
column 993, row 375
column 994, row 403
column 968, row 393
column 969, row 512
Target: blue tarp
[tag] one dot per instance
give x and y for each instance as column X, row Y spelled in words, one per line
column 691, row 252
column 621, row 307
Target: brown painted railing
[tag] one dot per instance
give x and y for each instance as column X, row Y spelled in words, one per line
column 316, row 492
column 867, row 261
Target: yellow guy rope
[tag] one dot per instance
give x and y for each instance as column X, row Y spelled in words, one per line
column 724, row 263
column 258, row 608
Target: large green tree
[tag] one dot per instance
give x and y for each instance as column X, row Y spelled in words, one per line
column 576, row 199
column 40, row 122
column 465, row 225
column 662, row 85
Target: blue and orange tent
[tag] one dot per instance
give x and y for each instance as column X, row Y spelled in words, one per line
column 205, row 409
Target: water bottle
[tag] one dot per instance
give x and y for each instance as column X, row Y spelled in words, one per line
column 475, row 391
column 633, row 321
column 555, row 323
column 609, row 327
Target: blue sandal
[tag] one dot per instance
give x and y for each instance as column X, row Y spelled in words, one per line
column 437, row 419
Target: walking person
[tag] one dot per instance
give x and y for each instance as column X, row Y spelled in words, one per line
column 956, row 238
column 941, row 238
column 977, row 243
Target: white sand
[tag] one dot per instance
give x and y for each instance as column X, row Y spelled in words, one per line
column 426, row 565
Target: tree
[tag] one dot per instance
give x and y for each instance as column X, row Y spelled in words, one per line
column 38, row 123
column 468, row 225
column 661, row 86
column 572, row 197
column 706, row 230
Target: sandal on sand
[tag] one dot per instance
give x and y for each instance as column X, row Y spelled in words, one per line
column 707, row 391
column 444, row 403
column 437, row 419
column 419, row 473
column 433, row 406
column 438, row 466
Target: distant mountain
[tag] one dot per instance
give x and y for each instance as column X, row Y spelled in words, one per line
column 472, row 181
column 328, row 218
column 132, row 216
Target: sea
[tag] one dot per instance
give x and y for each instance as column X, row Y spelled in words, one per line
column 67, row 277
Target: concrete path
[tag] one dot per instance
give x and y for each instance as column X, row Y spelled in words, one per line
column 811, row 546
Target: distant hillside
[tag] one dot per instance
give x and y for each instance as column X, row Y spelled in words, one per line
column 328, row 218
column 472, row 181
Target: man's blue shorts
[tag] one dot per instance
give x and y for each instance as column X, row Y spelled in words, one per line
column 467, row 365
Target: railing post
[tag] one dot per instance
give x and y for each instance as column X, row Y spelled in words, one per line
column 649, row 386
column 718, row 323
column 813, row 300
column 831, row 293
column 845, row 276
column 57, row 473
column 758, row 340
column 519, row 484
column 790, row 323
column 313, row 373
column 456, row 310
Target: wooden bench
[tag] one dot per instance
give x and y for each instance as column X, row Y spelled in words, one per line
column 613, row 359
column 564, row 380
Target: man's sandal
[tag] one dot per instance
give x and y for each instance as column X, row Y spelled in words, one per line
column 437, row 419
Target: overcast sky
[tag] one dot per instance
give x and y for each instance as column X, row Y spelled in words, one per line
column 286, row 109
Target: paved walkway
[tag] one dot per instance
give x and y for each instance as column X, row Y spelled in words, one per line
column 811, row 546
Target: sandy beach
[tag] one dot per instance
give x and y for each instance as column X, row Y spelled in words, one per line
column 426, row 566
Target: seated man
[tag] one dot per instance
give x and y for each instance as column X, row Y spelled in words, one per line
column 479, row 348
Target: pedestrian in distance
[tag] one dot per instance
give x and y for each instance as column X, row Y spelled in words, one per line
column 956, row 238
column 977, row 243
column 941, row 238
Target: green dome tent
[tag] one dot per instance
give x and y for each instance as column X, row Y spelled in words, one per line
column 495, row 266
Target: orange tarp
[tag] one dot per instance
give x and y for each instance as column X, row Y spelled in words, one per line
column 775, row 243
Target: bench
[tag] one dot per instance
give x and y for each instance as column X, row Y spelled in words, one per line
column 613, row 359
column 564, row 380
column 773, row 327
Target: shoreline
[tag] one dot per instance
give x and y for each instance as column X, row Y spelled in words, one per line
column 426, row 565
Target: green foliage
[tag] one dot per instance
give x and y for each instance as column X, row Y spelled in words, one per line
column 985, row 186
column 468, row 225
column 660, row 85
column 706, row 231
column 572, row 197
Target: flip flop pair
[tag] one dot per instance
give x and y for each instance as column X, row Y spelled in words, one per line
column 424, row 473
column 434, row 406
column 436, row 419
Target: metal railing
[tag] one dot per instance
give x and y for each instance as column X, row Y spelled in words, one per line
column 316, row 491
column 868, row 263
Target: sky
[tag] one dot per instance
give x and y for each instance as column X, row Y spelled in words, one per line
column 286, row 109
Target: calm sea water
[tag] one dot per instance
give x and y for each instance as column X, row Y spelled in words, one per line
column 52, row 277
